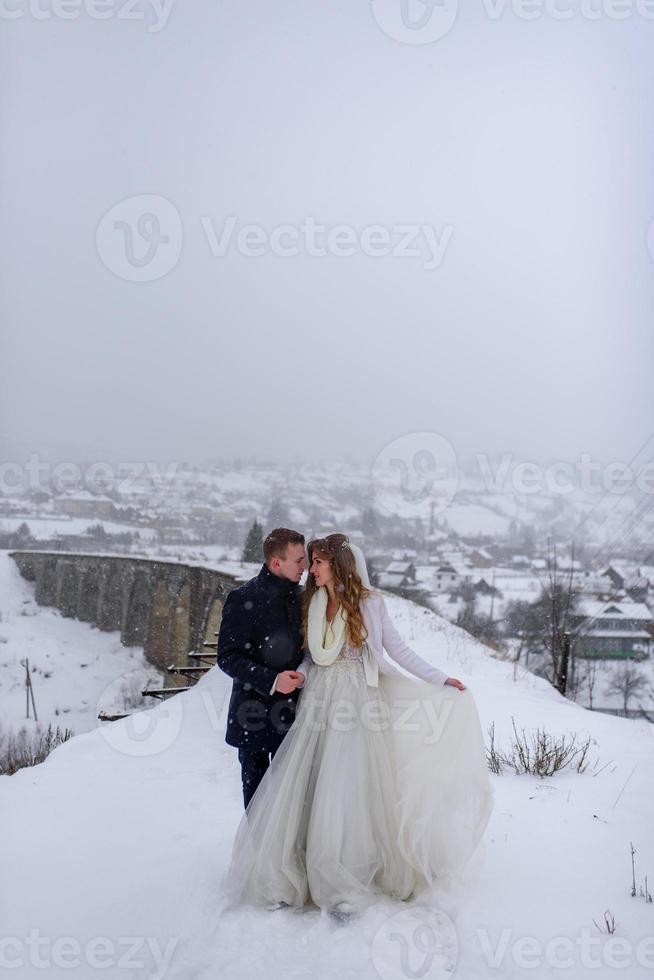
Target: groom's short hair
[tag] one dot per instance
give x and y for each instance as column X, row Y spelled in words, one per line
column 278, row 541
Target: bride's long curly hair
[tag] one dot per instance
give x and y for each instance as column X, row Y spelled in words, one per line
column 335, row 548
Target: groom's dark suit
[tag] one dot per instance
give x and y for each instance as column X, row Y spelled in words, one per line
column 260, row 635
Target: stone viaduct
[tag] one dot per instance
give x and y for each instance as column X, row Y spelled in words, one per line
column 168, row 608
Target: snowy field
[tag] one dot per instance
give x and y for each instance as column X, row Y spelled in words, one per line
column 76, row 669
column 114, row 847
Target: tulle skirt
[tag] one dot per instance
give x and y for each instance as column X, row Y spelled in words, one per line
column 373, row 791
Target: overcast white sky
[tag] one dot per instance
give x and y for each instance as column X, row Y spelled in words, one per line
column 524, row 146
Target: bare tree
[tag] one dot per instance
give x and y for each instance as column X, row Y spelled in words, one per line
column 627, row 682
column 589, row 676
column 542, row 625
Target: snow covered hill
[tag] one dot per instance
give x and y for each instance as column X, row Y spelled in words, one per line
column 76, row 669
column 113, row 849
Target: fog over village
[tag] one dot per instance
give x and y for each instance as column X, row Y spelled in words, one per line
column 488, row 544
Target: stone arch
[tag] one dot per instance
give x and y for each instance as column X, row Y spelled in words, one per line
column 212, row 620
column 138, row 611
column 112, row 605
column 89, row 596
column 181, row 626
column 157, row 648
column 68, row 590
column 46, row 583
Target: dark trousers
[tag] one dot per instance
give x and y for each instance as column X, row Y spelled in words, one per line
column 253, row 767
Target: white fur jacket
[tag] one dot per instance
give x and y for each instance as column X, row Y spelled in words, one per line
column 382, row 635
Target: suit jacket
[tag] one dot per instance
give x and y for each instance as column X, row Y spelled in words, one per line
column 260, row 635
column 382, row 635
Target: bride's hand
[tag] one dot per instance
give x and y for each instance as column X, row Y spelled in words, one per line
column 288, row 681
column 455, row 682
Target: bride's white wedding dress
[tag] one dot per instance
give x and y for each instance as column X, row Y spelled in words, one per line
column 373, row 791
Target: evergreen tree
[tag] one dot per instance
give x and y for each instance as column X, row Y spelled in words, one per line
column 253, row 548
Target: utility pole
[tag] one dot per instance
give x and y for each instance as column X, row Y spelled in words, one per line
column 29, row 691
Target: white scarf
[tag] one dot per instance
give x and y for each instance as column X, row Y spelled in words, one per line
column 325, row 649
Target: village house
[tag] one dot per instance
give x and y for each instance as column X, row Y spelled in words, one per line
column 613, row 630
column 445, row 578
column 86, row 504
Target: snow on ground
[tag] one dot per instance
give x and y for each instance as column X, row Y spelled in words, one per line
column 76, row 669
column 125, row 831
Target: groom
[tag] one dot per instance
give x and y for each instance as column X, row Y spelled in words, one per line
column 260, row 647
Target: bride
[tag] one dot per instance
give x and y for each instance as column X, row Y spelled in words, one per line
column 380, row 786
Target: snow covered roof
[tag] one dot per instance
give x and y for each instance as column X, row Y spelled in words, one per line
column 482, row 553
column 399, row 568
column 623, row 568
column 624, row 609
column 390, row 580
column 636, row 582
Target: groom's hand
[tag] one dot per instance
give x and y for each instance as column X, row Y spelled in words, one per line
column 288, row 680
